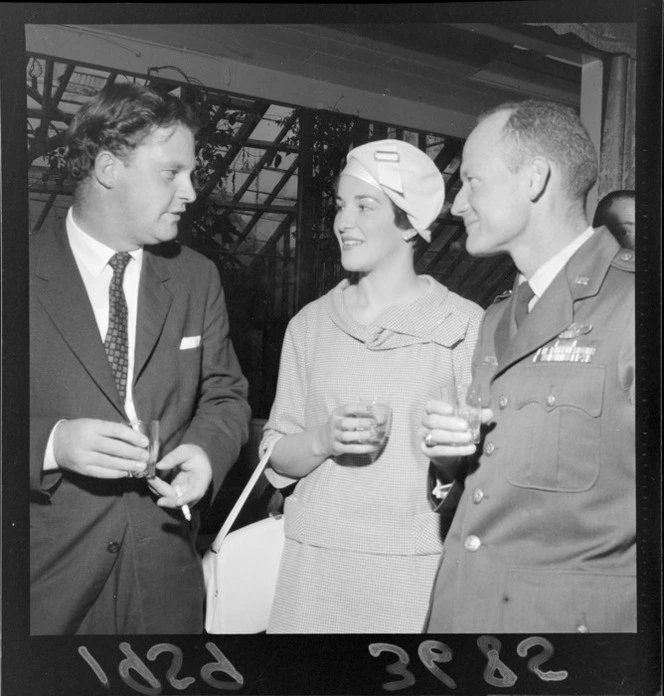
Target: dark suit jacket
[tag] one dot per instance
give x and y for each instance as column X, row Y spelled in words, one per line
column 544, row 538
column 199, row 394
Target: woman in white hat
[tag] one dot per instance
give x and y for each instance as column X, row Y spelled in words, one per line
column 363, row 537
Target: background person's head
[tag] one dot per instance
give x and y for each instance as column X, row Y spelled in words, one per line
column 617, row 211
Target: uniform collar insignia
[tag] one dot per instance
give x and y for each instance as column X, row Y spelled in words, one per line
column 502, row 296
column 574, row 330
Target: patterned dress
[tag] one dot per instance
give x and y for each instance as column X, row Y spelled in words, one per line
column 363, row 540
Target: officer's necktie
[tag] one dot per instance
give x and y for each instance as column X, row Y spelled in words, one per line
column 523, row 296
column 116, row 337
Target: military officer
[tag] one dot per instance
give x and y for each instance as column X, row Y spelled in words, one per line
column 543, row 539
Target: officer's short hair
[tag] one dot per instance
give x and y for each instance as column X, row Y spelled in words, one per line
column 536, row 127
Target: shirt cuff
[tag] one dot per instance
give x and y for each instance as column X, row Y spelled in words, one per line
column 49, row 456
column 441, row 490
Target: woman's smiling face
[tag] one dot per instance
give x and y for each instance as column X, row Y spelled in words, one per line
column 365, row 226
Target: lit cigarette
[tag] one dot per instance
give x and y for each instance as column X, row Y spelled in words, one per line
column 185, row 508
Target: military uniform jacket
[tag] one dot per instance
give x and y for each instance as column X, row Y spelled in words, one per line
column 544, row 536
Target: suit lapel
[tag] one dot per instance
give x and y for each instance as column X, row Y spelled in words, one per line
column 154, row 302
column 65, row 299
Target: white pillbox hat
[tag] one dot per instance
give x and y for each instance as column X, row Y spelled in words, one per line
column 406, row 175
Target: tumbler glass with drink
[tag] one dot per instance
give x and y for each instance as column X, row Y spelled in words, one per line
column 467, row 401
column 372, row 418
column 149, row 428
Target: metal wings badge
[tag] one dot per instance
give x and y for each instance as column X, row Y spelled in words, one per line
column 574, row 330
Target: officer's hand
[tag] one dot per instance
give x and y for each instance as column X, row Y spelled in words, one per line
column 99, row 448
column 444, row 434
column 193, row 475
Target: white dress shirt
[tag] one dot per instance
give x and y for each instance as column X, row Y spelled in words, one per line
column 544, row 275
column 92, row 259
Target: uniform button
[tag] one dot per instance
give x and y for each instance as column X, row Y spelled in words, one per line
column 489, row 448
column 478, row 495
column 626, row 256
column 582, row 628
column 550, row 400
column 472, row 543
column 113, row 547
column 503, row 401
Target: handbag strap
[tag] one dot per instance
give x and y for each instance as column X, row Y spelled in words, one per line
column 235, row 511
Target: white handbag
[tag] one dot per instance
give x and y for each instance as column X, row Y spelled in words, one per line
column 241, row 569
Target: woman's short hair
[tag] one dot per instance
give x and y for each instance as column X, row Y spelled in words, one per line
column 118, row 119
column 400, row 217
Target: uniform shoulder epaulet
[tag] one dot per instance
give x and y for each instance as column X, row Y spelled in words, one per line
column 502, row 296
column 624, row 260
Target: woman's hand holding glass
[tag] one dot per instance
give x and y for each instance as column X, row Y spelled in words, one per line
column 358, row 428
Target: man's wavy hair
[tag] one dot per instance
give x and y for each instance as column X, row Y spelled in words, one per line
column 535, row 127
column 118, row 119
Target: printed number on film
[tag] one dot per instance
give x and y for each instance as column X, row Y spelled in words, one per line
column 496, row 672
column 132, row 666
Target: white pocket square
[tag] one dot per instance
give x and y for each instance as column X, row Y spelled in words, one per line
column 190, row 342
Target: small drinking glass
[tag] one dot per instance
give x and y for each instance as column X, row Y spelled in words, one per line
column 381, row 413
column 467, row 402
column 376, row 418
column 469, row 406
column 149, row 428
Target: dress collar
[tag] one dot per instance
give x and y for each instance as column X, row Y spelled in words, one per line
column 430, row 318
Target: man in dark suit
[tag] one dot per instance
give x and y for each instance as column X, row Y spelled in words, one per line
column 544, row 537
column 124, row 324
